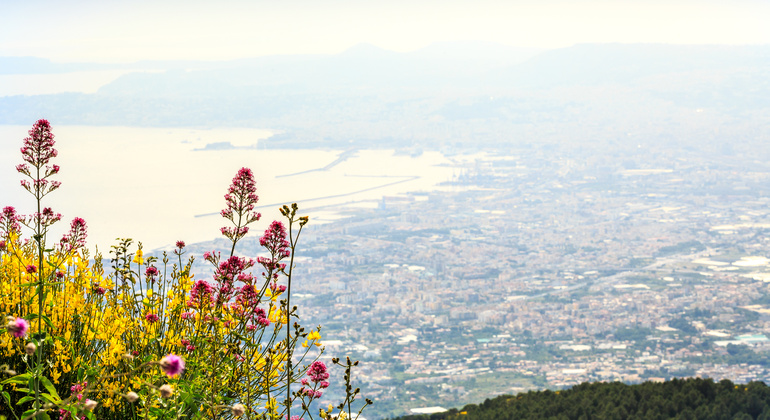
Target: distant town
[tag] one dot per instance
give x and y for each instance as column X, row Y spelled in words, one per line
column 544, row 269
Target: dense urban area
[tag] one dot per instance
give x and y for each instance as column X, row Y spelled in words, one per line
column 545, row 268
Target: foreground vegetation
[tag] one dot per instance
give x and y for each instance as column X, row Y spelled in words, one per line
column 693, row 398
column 144, row 339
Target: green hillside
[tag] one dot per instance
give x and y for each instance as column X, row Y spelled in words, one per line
column 693, row 398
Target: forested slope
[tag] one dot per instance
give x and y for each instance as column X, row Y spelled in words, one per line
column 692, row 398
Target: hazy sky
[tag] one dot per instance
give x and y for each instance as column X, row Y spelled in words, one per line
column 118, row 30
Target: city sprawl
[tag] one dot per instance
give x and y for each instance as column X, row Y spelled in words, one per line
column 539, row 270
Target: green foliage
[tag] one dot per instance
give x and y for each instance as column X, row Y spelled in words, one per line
column 692, row 398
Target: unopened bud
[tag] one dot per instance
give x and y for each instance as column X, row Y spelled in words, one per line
column 238, row 410
column 30, row 348
column 90, row 405
column 132, row 396
column 10, row 372
column 128, row 357
column 166, row 391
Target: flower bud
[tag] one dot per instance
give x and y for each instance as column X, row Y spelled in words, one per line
column 238, row 410
column 166, row 391
column 30, row 348
column 132, row 396
column 90, row 405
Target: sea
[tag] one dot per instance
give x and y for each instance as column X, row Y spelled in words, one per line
column 160, row 185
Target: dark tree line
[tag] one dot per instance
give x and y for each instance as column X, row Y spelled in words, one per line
column 692, row 399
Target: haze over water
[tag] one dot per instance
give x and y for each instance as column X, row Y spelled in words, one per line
column 149, row 184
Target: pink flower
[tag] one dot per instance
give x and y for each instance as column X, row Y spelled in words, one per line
column 151, row 272
column 9, row 221
column 240, row 199
column 151, row 318
column 76, row 388
column 18, row 327
column 226, row 274
column 47, row 217
column 180, row 244
column 317, row 371
column 38, row 147
column 274, row 240
column 31, row 269
column 76, row 237
column 201, row 294
column 172, row 364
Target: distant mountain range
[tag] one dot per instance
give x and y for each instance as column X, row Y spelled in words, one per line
column 369, row 85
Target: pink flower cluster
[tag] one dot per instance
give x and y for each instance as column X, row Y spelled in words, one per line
column 38, row 147
column 38, row 151
column 75, row 389
column 201, row 295
column 9, row 221
column 187, row 344
column 150, row 273
column 317, row 372
column 76, row 237
column 247, row 305
column 240, row 198
column 318, row 375
column 274, row 240
column 227, row 273
column 46, row 218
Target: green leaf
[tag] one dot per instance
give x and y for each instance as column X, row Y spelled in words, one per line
column 51, row 398
column 49, row 387
column 18, row 379
column 25, row 399
column 47, row 320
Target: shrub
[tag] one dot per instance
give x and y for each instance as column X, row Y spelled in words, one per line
column 144, row 338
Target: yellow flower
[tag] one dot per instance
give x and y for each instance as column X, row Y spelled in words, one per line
column 138, row 257
column 55, row 376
